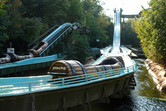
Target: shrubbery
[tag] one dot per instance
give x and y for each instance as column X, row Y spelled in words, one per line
column 151, row 29
column 22, row 21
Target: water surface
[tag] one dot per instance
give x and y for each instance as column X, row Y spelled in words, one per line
column 145, row 97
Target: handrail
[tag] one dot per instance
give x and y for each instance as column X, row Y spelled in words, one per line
column 30, row 61
column 55, row 32
column 58, row 83
column 41, row 36
column 50, row 36
column 61, row 30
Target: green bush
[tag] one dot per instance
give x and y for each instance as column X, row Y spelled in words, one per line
column 78, row 47
column 151, row 31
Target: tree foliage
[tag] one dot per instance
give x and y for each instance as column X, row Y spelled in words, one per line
column 4, row 23
column 128, row 35
column 78, row 47
column 151, row 31
column 53, row 11
column 25, row 20
column 98, row 23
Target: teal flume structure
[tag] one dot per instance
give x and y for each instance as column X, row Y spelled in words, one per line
column 43, row 59
column 62, row 93
column 54, row 36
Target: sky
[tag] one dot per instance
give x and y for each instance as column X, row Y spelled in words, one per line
column 128, row 6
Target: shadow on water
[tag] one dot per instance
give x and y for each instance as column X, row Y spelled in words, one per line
column 145, row 97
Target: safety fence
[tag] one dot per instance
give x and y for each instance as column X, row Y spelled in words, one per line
column 58, row 83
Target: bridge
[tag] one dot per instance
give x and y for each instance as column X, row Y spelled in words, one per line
column 130, row 16
column 41, row 93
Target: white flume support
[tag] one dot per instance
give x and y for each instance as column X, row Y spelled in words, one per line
column 117, row 49
column 117, row 30
column 116, row 37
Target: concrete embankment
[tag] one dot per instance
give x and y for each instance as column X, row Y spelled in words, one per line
column 158, row 73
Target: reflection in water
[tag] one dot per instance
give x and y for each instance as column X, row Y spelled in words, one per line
column 145, row 85
column 145, row 97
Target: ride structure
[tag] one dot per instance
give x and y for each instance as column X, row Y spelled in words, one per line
column 72, row 83
column 62, row 93
column 41, row 56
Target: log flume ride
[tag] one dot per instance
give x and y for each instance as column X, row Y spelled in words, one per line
column 43, row 45
column 70, row 83
column 65, row 90
column 38, row 57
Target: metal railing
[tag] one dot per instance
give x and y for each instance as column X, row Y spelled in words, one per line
column 58, row 83
column 64, row 28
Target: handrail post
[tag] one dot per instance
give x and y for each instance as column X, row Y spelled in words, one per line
column 105, row 75
column 133, row 68
column 113, row 72
column 136, row 67
column 98, row 74
column 30, row 87
column 128, row 70
column 63, row 82
column 123, row 70
column 119, row 71
column 86, row 79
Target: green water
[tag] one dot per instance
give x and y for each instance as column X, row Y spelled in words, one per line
column 145, row 97
column 145, row 85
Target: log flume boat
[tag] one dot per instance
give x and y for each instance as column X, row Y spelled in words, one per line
column 72, row 84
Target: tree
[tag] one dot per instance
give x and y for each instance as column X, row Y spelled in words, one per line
column 5, row 22
column 128, row 35
column 151, row 31
column 78, row 47
column 75, row 11
column 54, row 11
column 97, row 21
column 21, row 30
column 27, row 19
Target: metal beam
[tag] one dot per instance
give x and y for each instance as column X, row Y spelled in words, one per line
column 130, row 16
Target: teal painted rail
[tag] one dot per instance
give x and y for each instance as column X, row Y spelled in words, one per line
column 28, row 64
column 55, row 35
column 59, row 83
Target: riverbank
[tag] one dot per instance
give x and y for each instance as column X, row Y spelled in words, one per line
column 158, row 73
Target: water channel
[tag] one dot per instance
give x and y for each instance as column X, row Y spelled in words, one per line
column 145, row 96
